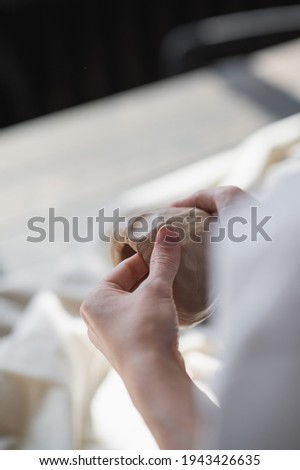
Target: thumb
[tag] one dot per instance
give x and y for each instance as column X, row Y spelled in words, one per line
column 165, row 258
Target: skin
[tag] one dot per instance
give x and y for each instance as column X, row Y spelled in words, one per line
column 132, row 319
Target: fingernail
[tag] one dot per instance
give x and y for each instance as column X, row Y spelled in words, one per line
column 167, row 237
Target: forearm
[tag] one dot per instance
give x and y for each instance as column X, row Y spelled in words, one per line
column 165, row 396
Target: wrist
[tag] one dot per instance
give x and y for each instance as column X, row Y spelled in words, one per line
column 140, row 361
column 152, row 381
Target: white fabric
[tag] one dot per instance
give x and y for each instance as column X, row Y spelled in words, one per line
column 50, row 374
column 259, row 322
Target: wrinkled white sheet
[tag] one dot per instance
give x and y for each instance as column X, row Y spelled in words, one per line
column 54, row 389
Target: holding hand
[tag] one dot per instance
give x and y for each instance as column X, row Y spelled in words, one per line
column 131, row 315
column 132, row 318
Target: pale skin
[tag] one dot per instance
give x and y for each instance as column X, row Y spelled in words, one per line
column 132, row 319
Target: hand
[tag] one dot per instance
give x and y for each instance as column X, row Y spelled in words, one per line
column 132, row 314
column 132, row 319
column 215, row 200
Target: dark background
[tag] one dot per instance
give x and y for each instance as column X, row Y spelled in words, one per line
column 59, row 53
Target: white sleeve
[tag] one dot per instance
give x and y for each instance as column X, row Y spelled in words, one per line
column 259, row 389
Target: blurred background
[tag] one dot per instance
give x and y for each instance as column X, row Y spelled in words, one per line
column 60, row 53
column 88, row 88
column 119, row 104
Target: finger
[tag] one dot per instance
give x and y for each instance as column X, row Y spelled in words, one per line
column 217, row 199
column 204, row 200
column 165, row 258
column 128, row 273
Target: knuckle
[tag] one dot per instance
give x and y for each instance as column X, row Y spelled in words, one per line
column 162, row 270
column 85, row 308
column 198, row 194
column 164, row 259
column 227, row 194
column 90, row 306
column 232, row 191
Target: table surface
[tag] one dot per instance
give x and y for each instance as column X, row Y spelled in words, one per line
column 80, row 159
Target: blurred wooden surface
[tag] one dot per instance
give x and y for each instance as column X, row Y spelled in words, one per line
column 80, row 159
